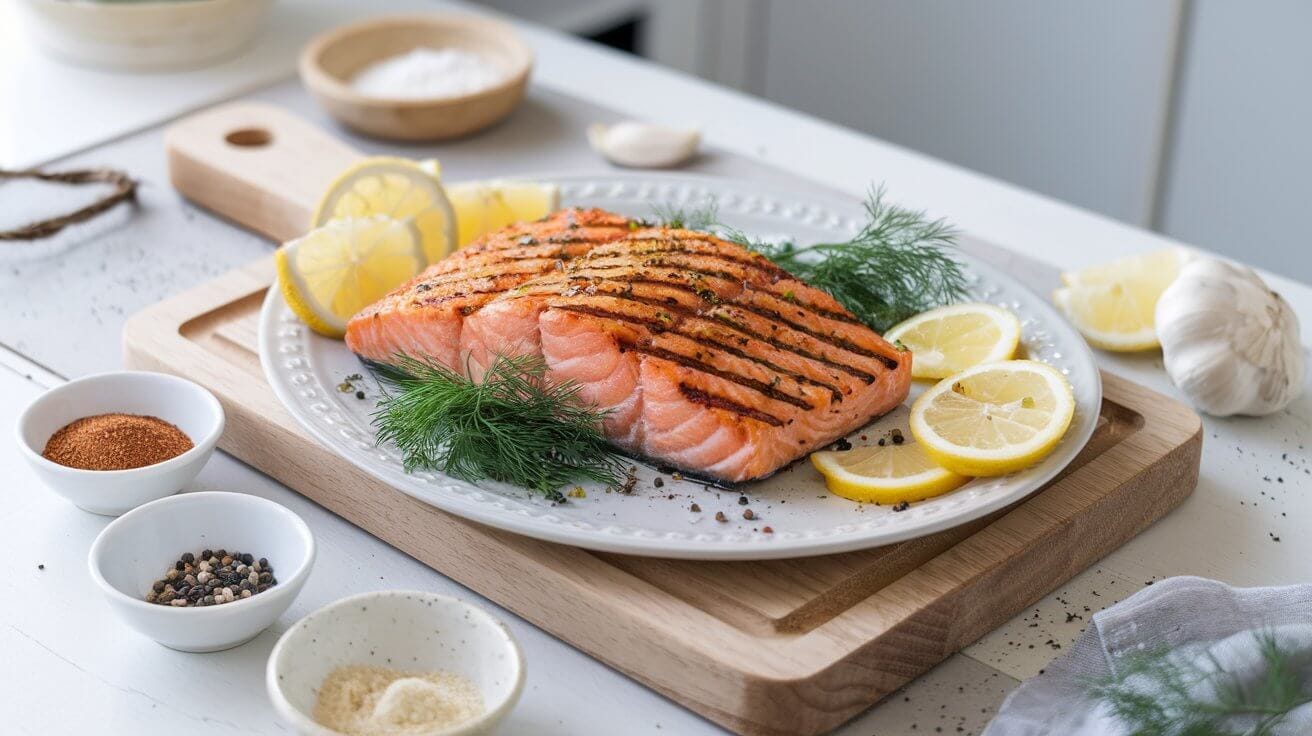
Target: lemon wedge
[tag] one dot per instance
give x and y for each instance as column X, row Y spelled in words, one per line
column 888, row 474
column 336, row 270
column 1113, row 305
column 949, row 339
column 484, row 206
column 994, row 419
column 398, row 188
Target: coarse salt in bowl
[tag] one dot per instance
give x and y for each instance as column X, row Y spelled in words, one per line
column 404, row 630
column 332, row 64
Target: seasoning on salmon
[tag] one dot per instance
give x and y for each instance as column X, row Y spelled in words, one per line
column 708, row 357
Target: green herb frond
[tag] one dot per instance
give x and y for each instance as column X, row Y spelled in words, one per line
column 705, row 217
column 1164, row 695
column 513, row 425
column 898, row 265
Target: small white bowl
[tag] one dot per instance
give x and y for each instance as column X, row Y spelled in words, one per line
column 405, row 630
column 136, row 549
column 144, row 36
column 178, row 401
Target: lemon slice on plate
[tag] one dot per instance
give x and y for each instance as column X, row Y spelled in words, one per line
column 888, row 474
column 949, row 339
column 338, row 269
column 484, row 206
column 398, row 188
column 1113, row 305
column 994, row 419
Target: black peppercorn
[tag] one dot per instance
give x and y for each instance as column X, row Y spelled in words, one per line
column 224, row 578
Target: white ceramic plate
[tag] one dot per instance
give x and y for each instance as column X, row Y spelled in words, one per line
column 305, row 369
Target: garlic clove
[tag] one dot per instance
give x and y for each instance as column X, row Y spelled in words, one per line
column 1228, row 341
column 643, row 145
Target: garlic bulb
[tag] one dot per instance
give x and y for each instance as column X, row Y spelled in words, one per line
column 643, row 145
column 1229, row 342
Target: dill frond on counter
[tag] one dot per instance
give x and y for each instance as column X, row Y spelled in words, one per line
column 512, row 425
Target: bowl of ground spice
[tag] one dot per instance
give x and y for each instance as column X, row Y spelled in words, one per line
column 396, row 663
column 113, row 441
column 204, row 571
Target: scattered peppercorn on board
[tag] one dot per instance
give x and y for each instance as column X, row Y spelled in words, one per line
column 772, row 647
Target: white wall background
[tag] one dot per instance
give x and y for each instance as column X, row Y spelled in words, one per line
column 1193, row 117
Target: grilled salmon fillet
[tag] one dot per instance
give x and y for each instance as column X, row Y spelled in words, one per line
column 707, row 356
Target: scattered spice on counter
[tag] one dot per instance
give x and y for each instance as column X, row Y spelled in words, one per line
column 742, row 500
column 115, row 442
column 719, row 516
column 695, row 509
column 901, row 506
column 363, row 700
column 748, row 514
column 212, row 578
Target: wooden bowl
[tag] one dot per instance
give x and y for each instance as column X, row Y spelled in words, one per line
column 330, row 61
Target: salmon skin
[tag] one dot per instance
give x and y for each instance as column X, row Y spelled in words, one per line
column 706, row 356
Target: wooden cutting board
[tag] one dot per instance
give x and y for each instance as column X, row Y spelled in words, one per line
column 777, row 647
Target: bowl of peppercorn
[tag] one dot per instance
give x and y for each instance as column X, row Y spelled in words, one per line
column 113, row 441
column 201, row 572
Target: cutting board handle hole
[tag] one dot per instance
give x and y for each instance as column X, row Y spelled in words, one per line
column 249, row 137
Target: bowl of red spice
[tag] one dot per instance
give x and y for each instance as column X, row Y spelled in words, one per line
column 113, row 441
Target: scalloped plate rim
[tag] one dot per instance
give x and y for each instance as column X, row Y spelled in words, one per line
column 740, row 546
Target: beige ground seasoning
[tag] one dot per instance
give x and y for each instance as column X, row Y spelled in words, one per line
column 116, row 442
column 362, row 700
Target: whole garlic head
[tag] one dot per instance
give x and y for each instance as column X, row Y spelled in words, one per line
column 643, row 145
column 1229, row 342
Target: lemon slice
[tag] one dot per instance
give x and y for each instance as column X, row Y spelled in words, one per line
column 484, row 206
column 888, row 474
column 338, row 269
column 1158, row 265
column 398, row 188
column 1114, row 305
column 949, row 339
column 994, row 419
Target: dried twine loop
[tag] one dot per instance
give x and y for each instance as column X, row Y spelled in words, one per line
column 125, row 189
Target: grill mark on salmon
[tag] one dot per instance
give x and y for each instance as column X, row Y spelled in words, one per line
column 676, row 282
column 678, row 329
column 714, row 314
column 697, row 396
column 690, row 362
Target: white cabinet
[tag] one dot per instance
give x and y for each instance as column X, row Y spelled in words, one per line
column 1067, row 98
column 1239, row 173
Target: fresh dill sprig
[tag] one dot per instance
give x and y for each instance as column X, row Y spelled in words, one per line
column 898, row 265
column 705, row 217
column 513, row 425
column 1165, row 695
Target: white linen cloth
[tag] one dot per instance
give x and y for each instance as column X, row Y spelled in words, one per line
column 1197, row 619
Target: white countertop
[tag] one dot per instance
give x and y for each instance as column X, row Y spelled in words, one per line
column 77, row 671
